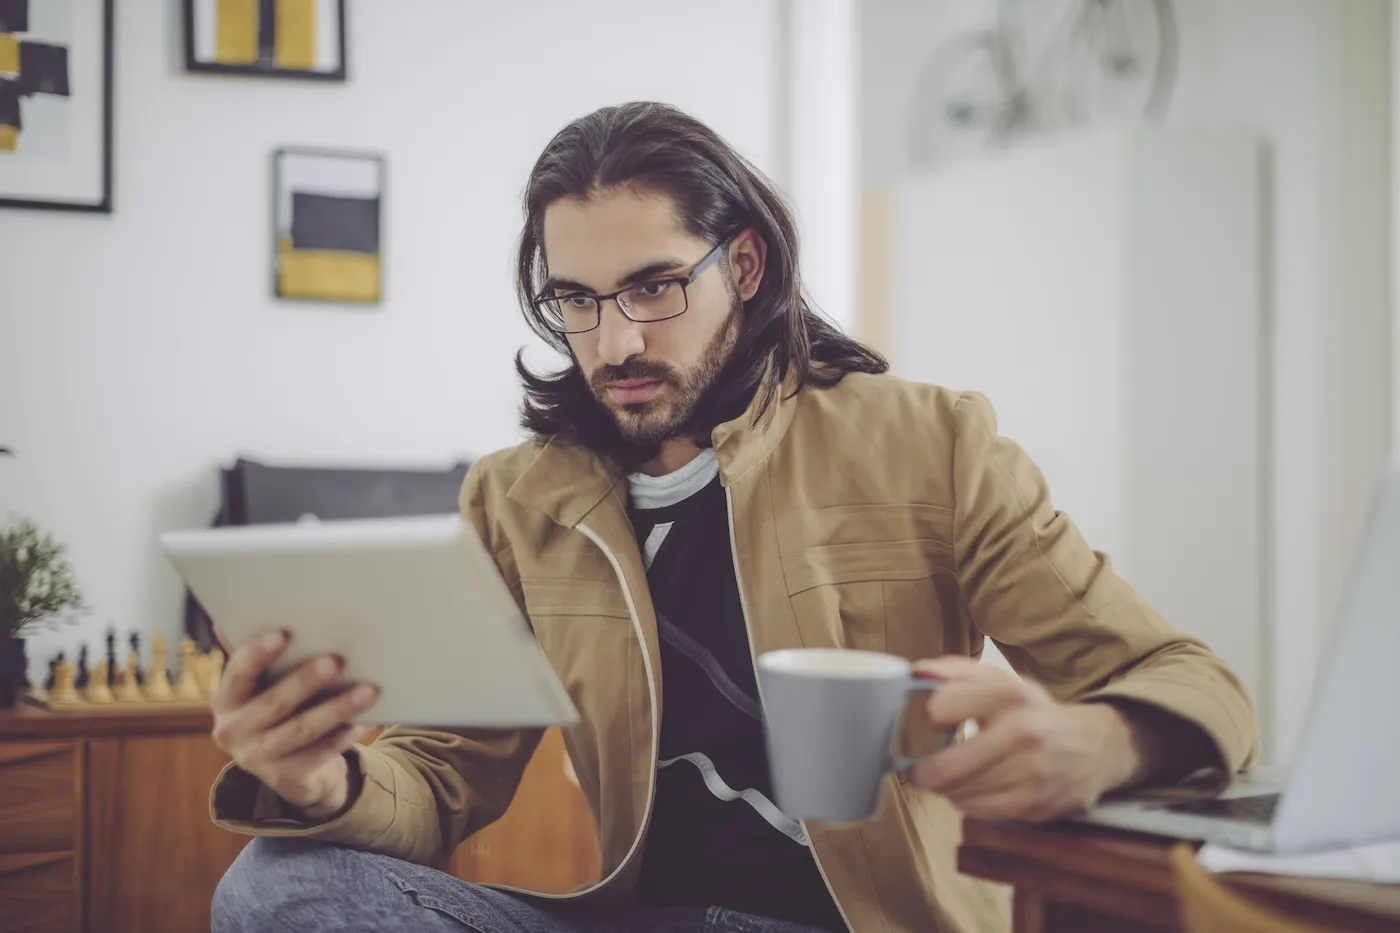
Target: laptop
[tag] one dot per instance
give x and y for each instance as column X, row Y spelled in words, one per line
column 1343, row 788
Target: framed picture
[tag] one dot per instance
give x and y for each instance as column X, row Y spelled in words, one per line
column 269, row 38
column 327, row 225
column 56, row 104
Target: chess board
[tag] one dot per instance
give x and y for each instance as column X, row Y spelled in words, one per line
column 130, row 687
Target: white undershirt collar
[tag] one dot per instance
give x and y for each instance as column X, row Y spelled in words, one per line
column 657, row 492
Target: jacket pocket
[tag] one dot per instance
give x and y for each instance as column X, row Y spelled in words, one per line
column 583, row 627
column 586, row 632
column 899, row 597
column 549, row 597
column 877, row 596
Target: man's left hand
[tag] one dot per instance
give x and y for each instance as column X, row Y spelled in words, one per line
column 1033, row 758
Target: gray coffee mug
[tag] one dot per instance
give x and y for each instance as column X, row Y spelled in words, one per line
column 829, row 717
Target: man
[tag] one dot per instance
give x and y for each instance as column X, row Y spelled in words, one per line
column 717, row 473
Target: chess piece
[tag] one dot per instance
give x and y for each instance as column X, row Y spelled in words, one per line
column 128, row 689
column 135, row 642
column 201, row 673
column 64, row 693
column 53, row 666
column 211, row 669
column 158, row 682
column 99, row 692
column 81, row 681
column 112, row 667
column 39, row 693
column 187, row 685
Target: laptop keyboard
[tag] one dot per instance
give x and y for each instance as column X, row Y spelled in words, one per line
column 1259, row 809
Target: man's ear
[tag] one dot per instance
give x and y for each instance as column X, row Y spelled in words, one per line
column 748, row 255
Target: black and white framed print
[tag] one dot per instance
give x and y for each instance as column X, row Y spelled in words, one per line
column 56, row 104
column 328, row 226
column 269, row 38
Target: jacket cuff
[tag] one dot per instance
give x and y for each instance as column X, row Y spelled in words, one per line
column 1201, row 708
column 242, row 804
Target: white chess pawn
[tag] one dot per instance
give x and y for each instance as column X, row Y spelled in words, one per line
column 129, row 686
column 63, row 693
column 98, row 693
column 187, row 684
column 158, row 679
column 212, row 669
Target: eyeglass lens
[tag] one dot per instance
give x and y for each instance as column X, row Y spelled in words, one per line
column 650, row 301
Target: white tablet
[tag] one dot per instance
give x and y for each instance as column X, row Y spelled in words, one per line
column 415, row 606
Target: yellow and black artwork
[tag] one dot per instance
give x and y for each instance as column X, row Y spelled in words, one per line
column 328, row 228
column 55, row 104
column 272, row 38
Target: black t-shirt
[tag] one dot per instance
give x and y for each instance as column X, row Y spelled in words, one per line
column 716, row 837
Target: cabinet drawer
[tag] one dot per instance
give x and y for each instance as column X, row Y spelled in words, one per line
column 39, row 803
column 38, row 893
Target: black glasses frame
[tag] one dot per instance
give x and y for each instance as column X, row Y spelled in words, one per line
column 539, row 301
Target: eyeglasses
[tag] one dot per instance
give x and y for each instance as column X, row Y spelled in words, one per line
column 646, row 303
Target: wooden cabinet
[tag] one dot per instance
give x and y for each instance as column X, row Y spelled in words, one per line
column 545, row 841
column 104, row 825
column 153, row 857
column 41, row 805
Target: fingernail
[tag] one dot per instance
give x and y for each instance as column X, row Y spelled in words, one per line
column 364, row 695
column 274, row 641
column 327, row 667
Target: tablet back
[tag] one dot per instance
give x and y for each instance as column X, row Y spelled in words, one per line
column 415, row 606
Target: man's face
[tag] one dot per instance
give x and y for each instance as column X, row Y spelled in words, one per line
column 650, row 376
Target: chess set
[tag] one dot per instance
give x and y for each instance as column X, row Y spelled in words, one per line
column 128, row 687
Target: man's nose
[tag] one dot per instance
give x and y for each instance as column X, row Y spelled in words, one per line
column 619, row 338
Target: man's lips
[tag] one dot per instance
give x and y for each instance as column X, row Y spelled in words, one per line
column 634, row 391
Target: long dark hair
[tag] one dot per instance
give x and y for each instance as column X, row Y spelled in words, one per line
column 718, row 193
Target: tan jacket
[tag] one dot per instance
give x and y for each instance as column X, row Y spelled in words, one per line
column 878, row 514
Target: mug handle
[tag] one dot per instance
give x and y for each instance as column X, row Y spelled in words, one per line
column 916, row 684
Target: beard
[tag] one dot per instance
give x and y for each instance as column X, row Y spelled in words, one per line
column 670, row 412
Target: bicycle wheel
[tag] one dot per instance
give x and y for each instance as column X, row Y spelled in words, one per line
column 1117, row 62
column 965, row 98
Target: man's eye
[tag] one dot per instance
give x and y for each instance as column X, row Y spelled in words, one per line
column 654, row 289
column 576, row 301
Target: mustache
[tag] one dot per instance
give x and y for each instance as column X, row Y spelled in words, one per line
column 633, row 369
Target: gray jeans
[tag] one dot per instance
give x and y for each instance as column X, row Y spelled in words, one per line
column 307, row 887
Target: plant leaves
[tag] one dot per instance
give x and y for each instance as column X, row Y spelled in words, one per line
column 37, row 585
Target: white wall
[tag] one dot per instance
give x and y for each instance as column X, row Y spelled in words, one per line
column 819, row 148
column 1312, row 78
column 1395, row 224
column 1128, row 265
column 140, row 351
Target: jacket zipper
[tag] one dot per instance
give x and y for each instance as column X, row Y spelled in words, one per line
column 753, row 658
column 655, row 732
column 651, row 695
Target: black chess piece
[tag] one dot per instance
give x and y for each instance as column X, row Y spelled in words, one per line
column 53, row 671
column 135, row 641
column 112, row 656
column 81, row 680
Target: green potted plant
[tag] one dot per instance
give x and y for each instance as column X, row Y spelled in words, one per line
column 37, row 590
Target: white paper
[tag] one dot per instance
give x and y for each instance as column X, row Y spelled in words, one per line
column 1377, row 862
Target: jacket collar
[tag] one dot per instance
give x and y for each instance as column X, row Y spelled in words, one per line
column 740, row 445
column 567, row 482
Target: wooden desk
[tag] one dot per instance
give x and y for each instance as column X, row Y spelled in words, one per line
column 104, row 824
column 1089, row 880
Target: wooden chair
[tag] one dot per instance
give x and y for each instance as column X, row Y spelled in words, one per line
column 1207, row 906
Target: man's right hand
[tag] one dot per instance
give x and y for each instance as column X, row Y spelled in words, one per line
column 297, row 753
